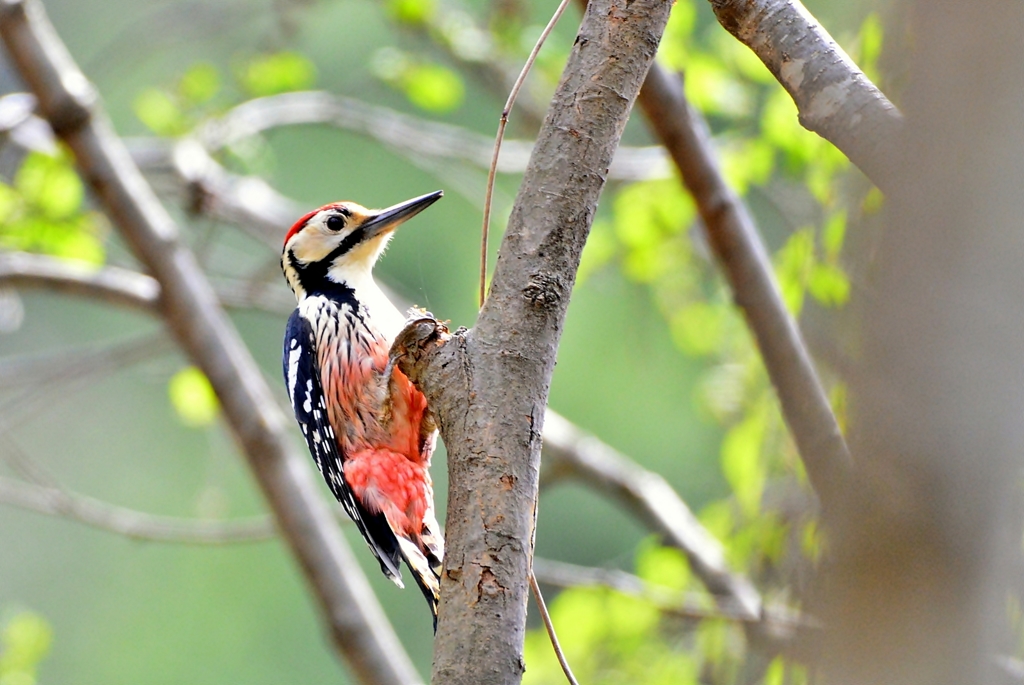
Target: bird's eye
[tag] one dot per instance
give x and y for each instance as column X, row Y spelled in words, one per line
column 335, row 222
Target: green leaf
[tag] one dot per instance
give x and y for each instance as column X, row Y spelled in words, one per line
column 159, row 112
column 50, row 185
column 630, row 620
column 776, row 672
column 414, row 12
column 872, row 202
column 811, row 540
column 199, row 83
column 870, row 43
column 742, row 465
column 645, row 212
column 698, row 327
column 674, row 48
column 833, row 233
column 746, row 162
column 664, row 566
column 713, row 88
column 781, row 128
column 433, row 87
column 81, row 246
column 193, row 397
column 742, row 58
column 579, row 613
column 718, row 519
column 828, row 284
column 280, row 72
column 26, row 640
column 794, row 262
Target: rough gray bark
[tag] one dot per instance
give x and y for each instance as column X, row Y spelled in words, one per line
column 834, row 97
column 189, row 306
column 743, row 258
column 489, row 386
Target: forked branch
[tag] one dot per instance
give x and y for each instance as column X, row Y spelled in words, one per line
column 834, row 97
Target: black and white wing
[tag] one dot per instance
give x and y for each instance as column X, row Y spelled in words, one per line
column 305, row 391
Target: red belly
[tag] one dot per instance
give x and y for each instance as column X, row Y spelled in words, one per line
column 386, row 451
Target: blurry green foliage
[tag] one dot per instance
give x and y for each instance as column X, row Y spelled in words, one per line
column 429, row 85
column 25, row 639
column 161, row 113
column 278, row 72
column 176, row 110
column 609, row 637
column 411, row 11
column 42, row 211
column 193, row 398
column 199, row 84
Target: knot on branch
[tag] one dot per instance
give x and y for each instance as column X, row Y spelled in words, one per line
column 414, row 346
column 543, row 290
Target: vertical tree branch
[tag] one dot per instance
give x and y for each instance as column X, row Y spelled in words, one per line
column 489, row 386
column 744, row 261
column 68, row 102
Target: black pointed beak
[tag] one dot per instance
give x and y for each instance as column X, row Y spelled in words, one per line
column 389, row 219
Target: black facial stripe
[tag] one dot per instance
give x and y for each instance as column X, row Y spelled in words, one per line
column 350, row 241
column 313, row 276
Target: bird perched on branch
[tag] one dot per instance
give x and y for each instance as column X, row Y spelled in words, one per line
column 365, row 423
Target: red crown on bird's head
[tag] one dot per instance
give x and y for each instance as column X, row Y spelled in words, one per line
column 297, row 226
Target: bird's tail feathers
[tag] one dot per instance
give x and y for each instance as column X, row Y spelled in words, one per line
column 424, row 572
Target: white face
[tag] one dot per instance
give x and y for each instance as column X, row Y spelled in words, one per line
column 326, row 230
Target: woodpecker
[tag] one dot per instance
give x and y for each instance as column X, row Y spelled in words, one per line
column 365, row 423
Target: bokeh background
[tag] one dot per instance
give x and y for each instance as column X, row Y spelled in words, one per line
column 635, row 366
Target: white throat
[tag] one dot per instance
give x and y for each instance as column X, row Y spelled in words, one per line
column 383, row 314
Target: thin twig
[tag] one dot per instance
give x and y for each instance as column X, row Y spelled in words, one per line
column 546, row 617
column 502, row 123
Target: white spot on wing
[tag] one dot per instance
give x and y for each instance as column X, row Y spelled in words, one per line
column 293, row 368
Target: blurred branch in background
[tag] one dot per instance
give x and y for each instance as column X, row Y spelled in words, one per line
column 111, row 284
column 834, row 97
column 138, row 525
column 68, row 102
column 780, row 621
column 569, row 451
column 744, row 261
column 407, row 134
